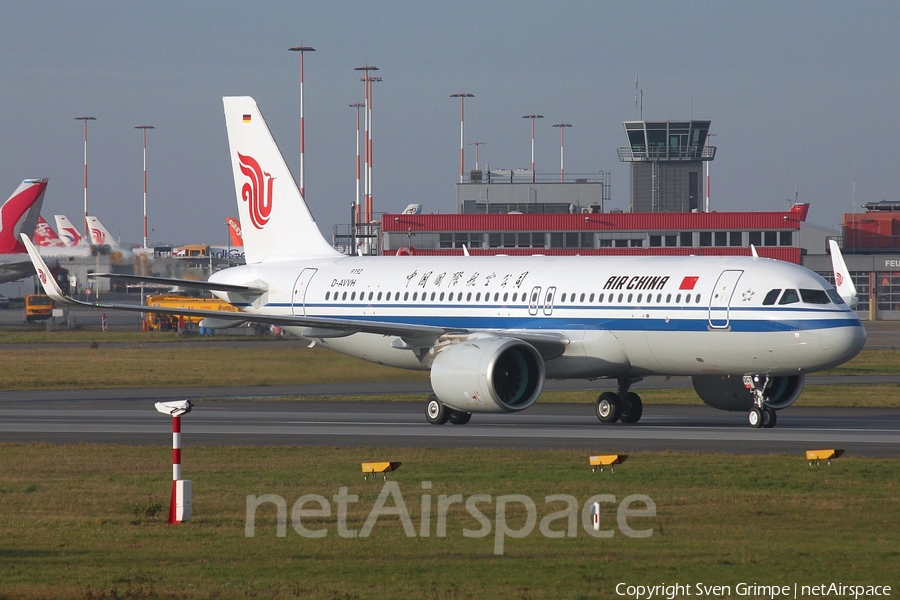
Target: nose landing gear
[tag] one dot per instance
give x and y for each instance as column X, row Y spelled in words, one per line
column 760, row 415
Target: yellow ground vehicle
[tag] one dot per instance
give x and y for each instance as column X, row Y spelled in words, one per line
column 163, row 322
column 38, row 307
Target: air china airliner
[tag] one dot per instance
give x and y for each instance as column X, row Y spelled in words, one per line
column 492, row 329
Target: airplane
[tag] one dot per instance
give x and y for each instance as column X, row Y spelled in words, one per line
column 234, row 232
column 68, row 232
column 19, row 214
column 235, row 248
column 45, row 237
column 491, row 329
column 101, row 238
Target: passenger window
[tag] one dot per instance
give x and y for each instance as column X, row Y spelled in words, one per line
column 505, row 296
column 442, row 296
column 327, row 294
column 415, row 296
column 668, row 298
column 591, row 299
column 582, row 298
column 562, row 299
column 771, row 297
column 621, row 296
column 629, row 298
column 600, row 298
column 405, row 296
column 379, row 296
column 478, row 297
column 789, row 297
column 640, row 296
column 371, row 294
column 814, row 296
column 468, row 296
column 677, row 298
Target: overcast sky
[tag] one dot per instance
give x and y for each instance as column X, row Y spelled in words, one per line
column 797, row 92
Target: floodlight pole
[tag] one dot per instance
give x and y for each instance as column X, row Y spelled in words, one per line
column 302, row 50
column 87, row 233
column 562, row 161
column 462, row 119
column 532, row 117
column 144, row 129
column 357, row 106
column 477, row 144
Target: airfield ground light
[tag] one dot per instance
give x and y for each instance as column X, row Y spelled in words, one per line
column 181, row 502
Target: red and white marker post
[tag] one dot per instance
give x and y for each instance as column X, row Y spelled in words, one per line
column 181, row 502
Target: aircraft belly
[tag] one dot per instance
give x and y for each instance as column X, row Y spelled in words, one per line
column 374, row 348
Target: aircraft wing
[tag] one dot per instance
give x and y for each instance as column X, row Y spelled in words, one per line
column 188, row 283
column 14, row 269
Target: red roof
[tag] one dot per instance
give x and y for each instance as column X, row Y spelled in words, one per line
column 790, row 219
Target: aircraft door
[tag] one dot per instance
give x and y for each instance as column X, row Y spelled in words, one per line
column 548, row 300
column 720, row 300
column 298, row 298
column 533, row 300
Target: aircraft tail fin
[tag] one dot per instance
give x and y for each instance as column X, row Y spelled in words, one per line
column 67, row 231
column 234, row 231
column 276, row 220
column 20, row 213
column 45, row 236
column 51, row 287
column 843, row 283
column 100, row 235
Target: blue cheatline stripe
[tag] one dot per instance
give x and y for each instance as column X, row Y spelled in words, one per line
column 681, row 319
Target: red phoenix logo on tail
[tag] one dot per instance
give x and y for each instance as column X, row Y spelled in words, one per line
column 257, row 192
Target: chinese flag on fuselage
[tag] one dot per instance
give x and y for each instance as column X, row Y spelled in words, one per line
column 688, row 283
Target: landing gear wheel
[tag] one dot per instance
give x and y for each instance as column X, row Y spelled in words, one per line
column 769, row 418
column 755, row 418
column 459, row 417
column 631, row 407
column 435, row 411
column 608, row 407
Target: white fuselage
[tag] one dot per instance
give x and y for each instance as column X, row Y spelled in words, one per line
column 622, row 316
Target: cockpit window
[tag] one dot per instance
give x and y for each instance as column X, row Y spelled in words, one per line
column 789, row 297
column 814, row 296
column 835, row 297
column 771, row 297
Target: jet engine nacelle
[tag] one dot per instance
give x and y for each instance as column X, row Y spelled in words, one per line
column 729, row 393
column 490, row 374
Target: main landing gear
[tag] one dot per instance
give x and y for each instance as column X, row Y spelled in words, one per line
column 623, row 405
column 760, row 415
column 438, row 414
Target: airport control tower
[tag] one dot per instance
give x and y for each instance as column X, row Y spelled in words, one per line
column 667, row 164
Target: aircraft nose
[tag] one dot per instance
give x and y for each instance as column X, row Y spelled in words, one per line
column 840, row 344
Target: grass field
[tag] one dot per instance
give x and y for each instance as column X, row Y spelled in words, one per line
column 79, row 359
column 79, row 522
column 89, row 521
